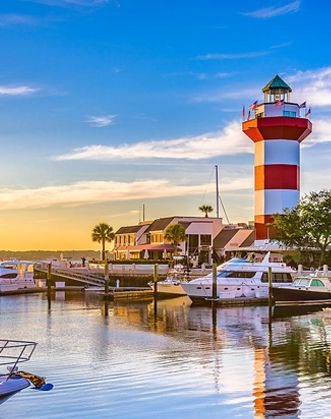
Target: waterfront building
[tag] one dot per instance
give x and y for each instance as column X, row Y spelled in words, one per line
column 147, row 241
column 277, row 130
column 205, row 238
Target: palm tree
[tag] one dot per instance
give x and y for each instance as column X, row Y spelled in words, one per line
column 103, row 233
column 175, row 234
column 206, row 209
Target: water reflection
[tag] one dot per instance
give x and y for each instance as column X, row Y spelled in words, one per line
column 171, row 359
column 283, row 345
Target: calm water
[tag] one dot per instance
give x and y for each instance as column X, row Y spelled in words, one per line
column 126, row 361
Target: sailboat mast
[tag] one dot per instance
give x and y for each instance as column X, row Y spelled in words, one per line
column 217, row 193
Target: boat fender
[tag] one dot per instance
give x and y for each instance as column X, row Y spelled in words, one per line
column 37, row 381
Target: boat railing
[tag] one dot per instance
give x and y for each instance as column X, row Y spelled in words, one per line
column 13, row 352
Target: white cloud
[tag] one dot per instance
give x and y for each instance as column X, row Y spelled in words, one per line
column 232, row 56
column 198, row 76
column 272, row 11
column 93, row 192
column 17, row 90
column 321, row 133
column 222, row 75
column 77, row 3
column 100, row 121
column 313, row 86
column 220, row 95
column 14, row 19
column 229, row 141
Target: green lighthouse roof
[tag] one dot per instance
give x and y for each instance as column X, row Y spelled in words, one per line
column 276, row 83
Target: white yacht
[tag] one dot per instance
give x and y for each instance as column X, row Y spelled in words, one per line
column 172, row 285
column 16, row 275
column 240, row 278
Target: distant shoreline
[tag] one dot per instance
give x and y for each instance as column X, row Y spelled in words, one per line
column 47, row 254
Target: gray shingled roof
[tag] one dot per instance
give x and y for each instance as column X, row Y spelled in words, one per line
column 129, row 229
column 249, row 240
column 224, row 236
column 159, row 224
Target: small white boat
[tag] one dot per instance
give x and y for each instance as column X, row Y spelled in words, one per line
column 240, row 278
column 16, row 275
column 172, row 285
column 304, row 289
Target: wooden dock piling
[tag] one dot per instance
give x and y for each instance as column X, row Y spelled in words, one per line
column 214, row 290
column 106, row 278
column 270, row 296
column 155, row 276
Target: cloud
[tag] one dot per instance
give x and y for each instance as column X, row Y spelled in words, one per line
column 229, row 141
column 273, row 11
column 93, row 192
column 17, row 90
column 313, row 86
column 321, row 133
column 75, row 3
column 198, row 76
column 222, row 75
column 14, row 20
column 234, row 56
column 219, row 95
column 100, row 121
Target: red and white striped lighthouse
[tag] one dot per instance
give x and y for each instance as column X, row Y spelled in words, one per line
column 277, row 131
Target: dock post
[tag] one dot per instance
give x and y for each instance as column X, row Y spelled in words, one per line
column 155, row 275
column 270, row 296
column 49, row 277
column 214, row 290
column 106, row 278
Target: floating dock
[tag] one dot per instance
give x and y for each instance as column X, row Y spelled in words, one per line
column 124, row 293
column 303, row 302
column 38, row 290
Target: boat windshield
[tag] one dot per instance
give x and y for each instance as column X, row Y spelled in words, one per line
column 302, row 282
column 235, row 274
column 239, row 260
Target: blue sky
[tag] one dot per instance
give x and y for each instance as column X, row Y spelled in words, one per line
column 108, row 104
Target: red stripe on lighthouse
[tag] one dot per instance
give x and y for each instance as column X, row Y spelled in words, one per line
column 278, row 127
column 277, row 176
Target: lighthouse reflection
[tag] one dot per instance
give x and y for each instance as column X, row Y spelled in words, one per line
column 242, row 348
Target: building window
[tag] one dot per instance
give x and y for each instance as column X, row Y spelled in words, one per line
column 193, row 244
column 290, row 113
column 205, row 240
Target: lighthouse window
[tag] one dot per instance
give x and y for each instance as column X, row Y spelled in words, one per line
column 290, row 113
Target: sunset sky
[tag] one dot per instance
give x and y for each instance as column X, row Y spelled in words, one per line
column 106, row 104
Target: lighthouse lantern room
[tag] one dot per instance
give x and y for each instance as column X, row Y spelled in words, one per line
column 277, row 130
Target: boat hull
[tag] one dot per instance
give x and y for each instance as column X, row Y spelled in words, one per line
column 10, row 387
column 171, row 289
column 293, row 294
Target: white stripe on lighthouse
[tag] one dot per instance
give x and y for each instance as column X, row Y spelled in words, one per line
column 277, row 152
column 272, row 201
